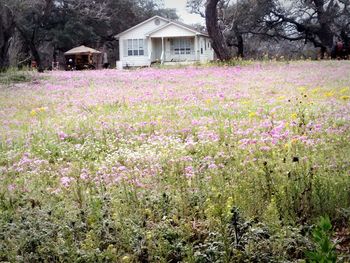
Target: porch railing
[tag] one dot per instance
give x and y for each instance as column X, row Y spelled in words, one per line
column 177, row 56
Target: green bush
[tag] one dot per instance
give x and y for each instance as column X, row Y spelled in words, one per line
column 324, row 251
column 13, row 75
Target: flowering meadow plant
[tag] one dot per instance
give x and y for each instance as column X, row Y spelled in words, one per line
column 153, row 165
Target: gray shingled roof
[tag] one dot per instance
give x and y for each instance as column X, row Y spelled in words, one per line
column 192, row 28
column 188, row 26
column 82, row 50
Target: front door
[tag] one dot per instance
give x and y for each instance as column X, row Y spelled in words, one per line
column 156, row 49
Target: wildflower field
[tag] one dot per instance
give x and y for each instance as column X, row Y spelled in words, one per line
column 195, row 164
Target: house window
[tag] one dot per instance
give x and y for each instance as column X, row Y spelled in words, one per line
column 181, row 46
column 136, row 47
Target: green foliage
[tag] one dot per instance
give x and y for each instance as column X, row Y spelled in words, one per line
column 46, row 28
column 106, row 167
column 324, row 251
column 232, row 62
column 13, row 75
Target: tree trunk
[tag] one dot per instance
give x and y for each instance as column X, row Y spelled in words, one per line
column 218, row 42
column 240, row 46
column 325, row 33
column 6, row 33
column 33, row 50
column 36, row 56
column 345, row 38
column 323, row 52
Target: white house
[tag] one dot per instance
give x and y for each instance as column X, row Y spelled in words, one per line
column 159, row 39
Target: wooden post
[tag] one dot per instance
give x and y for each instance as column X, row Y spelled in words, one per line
column 150, row 47
column 196, row 48
column 163, row 53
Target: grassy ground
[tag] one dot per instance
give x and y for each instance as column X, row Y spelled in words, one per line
column 13, row 76
column 195, row 164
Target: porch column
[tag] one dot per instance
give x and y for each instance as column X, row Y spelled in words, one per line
column 196, row 48
column 163, row 53
column 150, row 48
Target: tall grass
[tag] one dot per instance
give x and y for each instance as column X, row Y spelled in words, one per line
column 14, row 75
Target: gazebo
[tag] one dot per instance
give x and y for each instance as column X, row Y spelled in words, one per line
column 82, row 58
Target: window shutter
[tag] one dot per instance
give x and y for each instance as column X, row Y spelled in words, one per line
column 125, row 47
column 145, row 46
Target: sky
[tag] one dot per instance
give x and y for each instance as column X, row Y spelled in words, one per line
column 185, row 16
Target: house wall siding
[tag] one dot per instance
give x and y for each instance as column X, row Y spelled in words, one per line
column 138, row 33
column 154, row 42
column 173, row 31
column 208, row 52
column 143, row 29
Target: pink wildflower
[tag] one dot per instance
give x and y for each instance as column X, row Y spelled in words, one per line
column 84, row 175
column 66, row 181
column 212, row 166
column 62, row 136
column 265, row 148
column 11, row 187
column 189, row 171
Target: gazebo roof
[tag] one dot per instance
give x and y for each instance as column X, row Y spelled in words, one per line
column 82, row 50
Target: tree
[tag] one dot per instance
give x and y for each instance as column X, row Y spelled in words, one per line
column 6, row 32
column 218, row 42
column 29, row 18
column 319, row 22
column 236, row 19
column 241, row 19
column 52, row 26
column 315, row 21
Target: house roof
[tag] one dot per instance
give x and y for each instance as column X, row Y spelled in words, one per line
column 140, row 24
column 169, row 22
column 187, row 27
column 82, row 50
column 201, row 32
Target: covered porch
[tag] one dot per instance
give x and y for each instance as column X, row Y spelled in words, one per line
column 173, row 49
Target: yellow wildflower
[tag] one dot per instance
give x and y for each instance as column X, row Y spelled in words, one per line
column 345, row 97
column 149, row 235
column 126, row 259
column 302, row 89
column 229, row 204
column 33, row 113
column 294, row 140
column 42, row 109
column 315, row 90
column 294, row 116
column 148, row 212
column 252, row 114
column 343, row 90
column 329, row 94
